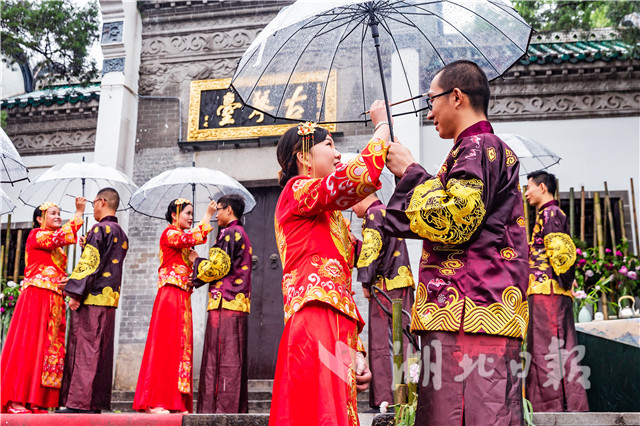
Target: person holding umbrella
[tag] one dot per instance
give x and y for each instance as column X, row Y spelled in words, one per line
column 165, row 379
column 94, row 291
column 471, row 308
column 320, row 364
column 33, row 355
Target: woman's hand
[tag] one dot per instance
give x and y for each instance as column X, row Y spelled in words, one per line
column 193, row 255
column 363, row 374
column 211, row 209
column 62, row 283
column 82, row 241
column 75, row 304
column 81, row 204
column 378, row 114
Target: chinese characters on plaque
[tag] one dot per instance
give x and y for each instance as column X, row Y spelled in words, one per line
column 216, row 113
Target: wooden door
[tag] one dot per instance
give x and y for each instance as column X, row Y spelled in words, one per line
column 266, row 320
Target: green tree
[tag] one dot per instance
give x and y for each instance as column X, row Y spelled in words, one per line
column 52, row 36
column 564, row 15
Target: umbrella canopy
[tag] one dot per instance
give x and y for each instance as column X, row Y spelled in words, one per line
column 154, row 196
column 13, row 169
column 532, row 155
column 317, row 60
column 76, row 179
column 7, row 204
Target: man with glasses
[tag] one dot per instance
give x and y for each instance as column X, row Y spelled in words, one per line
column 223, row 374
column 94, row 291
column 470, row 309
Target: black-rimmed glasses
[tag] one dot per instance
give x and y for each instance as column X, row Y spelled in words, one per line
column 431, row 98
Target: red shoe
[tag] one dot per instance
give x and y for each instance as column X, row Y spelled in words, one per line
column 12, row 410
column 37, row 410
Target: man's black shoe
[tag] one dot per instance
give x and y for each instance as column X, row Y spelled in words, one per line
column 69, row 410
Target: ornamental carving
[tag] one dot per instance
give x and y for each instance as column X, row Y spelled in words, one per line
column 156, row 77
column 234, row 39
column 60, row 141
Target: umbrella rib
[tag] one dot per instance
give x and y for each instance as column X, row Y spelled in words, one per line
column 466, row 38
column 267, row 66
column 302, row 51
column 424, row 35
column 364, row 100
column 333, row 58
column 404, row 71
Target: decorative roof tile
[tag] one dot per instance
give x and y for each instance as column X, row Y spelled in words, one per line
column 57, row 95
column 576, row 51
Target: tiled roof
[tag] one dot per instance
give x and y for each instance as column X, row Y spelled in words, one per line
column 57, row 95
column 576, row 51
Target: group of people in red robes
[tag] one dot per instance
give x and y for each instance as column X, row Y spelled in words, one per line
column 38, row 372
column 165, row 382
column 470, row 306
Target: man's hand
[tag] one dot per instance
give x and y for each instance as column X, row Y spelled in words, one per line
column 73, row 303
column 363, row 374
column 366, row 293
column 399, row 158
column 82, row 240
column 62, row 283
column 193, row 255
column 190, row 281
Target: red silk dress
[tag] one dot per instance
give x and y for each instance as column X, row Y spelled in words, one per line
column 33, row 355
column 315, row 377
column 166, row 373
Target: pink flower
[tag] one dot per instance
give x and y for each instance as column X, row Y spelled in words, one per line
column 580, row 294
column 2, row 310
column 593, row 262
column 632, row 275
column 618, row 253
column 623, row 270
column 607, row 250
column 10, row 297
column 582, row 262
column 579, row 252
column 608, row 266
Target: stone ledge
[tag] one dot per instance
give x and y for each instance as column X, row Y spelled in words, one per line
column 225, row 420
column 557, row 419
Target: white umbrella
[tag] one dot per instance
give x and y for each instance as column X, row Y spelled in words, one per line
column 532, row 155
column 7, row 204
column 76, row 179
column 154, row 196
column 13, row 169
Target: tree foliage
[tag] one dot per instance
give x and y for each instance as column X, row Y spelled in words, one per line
column 564, row 15
column 52, row 36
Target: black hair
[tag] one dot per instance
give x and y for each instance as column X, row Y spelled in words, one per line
column 289, row 145
column 36, row 214
column 541, row 176
column 173, row 208
column 470, row 79
column 111, row 196
column 235, row 201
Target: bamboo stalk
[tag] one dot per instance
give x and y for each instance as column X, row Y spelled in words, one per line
column 605, row 224
column 609, row 209
column 595, row 226
column 398, row 356
column 526, row 213
column 557, row 194
column 16, row 263
column 1, row 260
column 623, row 231
column 635, row 218
column 583, row 215
column 600, row 239
column 7, row 242
column 572, row 212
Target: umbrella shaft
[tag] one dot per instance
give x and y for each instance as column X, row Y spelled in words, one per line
column 373, row 23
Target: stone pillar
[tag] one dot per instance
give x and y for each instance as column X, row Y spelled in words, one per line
column 121, row 44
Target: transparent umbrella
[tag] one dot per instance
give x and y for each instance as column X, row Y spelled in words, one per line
column 61, row 183
column 13, row 169
column 7, row 204
column 327, row 61
column 532, row 155
column 155, row 195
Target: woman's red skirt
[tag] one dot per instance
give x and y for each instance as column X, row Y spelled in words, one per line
column 166, row 373
column 315, row 377
column 33, row 355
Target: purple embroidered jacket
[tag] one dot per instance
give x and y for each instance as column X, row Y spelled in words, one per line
column 474, row 265
column 553, row 253
column 382, row 260
column 229, row 265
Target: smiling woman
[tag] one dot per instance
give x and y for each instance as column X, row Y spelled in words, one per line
column 37, row 330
